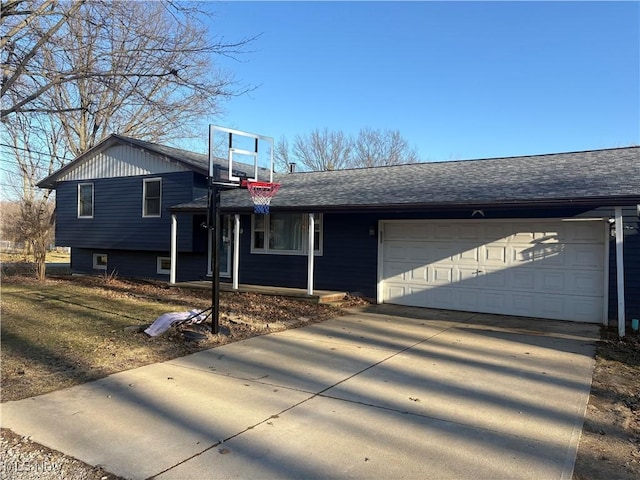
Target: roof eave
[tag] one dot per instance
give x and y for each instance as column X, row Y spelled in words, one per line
column 591, row 202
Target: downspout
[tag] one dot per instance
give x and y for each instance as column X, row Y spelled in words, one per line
column 311, row 249
column 236, row 250
column 174, row 249
column 620, row 270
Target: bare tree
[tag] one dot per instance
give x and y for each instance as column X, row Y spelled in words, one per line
column 75, row 71
column 32, row 222
column 334, row 150
column 32, row 225
column 29, row 26
column 323, row 150
column 375, row 148
column 282, row 155
column 143, row 69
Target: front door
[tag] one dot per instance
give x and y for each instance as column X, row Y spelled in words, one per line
column 225, row 247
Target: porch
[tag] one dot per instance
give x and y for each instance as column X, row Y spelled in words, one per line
column 318, row 296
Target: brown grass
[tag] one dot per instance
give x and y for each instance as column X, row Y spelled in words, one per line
column 72, row 330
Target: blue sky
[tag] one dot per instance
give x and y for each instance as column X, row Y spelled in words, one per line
column 459, row 80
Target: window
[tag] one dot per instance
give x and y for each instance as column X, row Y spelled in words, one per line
column 152, row 197
column 100, row 261
column 85, row 200
column 164, row 265
column 284, row 233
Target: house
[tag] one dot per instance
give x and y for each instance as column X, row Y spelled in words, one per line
column 548, row 236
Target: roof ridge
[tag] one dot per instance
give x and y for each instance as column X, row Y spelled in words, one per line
column 440, row 162
column 147, row 144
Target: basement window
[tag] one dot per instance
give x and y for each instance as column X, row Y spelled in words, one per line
column 100, row 261
column 163, row 265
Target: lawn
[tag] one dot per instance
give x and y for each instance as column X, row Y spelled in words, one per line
column 74, row 329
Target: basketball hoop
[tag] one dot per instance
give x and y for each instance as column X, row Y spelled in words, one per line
column 261, row 194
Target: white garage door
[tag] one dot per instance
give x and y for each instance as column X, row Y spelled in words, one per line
column 547, row 269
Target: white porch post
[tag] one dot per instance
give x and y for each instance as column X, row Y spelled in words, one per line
column 174, row 249
column 311, row 248
column 620, row 270
column 236, row 250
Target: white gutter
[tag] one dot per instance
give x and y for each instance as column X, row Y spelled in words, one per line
column 620, row 270
column 311, row 248
column 174, row 250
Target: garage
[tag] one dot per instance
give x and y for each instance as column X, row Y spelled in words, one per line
column 552, row 269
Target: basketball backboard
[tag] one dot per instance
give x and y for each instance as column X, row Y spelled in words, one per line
column 235, row 156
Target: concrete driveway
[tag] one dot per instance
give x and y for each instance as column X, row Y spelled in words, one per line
column 389, row 392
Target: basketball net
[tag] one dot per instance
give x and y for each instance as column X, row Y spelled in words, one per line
column 261, row 194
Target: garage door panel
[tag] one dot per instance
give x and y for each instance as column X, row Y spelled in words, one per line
column 438, row 297
column 585, row 256
column 522, row 304
column 403, row 231
column 443, row 252
column 395, row 252
column 417, row 253
column 396, row 272
column 468, row 275
column 584, row 307
column 406, row 295
column 551, row 281
column 550, row 306
column 470, row 254
column 444, row 231
column 587, row 232
column 470, row 232
column 441, row 275
column 522, row 278
column 494, row 302
column 468, row 299
column 548, row 269
column 495, row 255
column 586, row 284
column 419, row 275
column 494, row 279
column 549, row 254
column 496, row 231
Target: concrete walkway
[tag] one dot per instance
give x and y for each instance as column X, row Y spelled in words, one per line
column 391, row 392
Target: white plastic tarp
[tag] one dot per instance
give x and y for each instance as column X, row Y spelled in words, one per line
column 164, row 321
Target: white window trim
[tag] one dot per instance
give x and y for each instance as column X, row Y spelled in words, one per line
column 96, row 265
column 92, row 199
column 159, row 269
column 144, row 197
column 318, row 246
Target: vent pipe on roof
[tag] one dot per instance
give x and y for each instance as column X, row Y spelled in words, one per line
column 292, row 167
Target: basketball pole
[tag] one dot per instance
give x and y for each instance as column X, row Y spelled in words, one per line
column 213, row 223
column 214, row 215
column 219, row 182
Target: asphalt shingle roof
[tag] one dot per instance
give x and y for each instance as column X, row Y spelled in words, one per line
column 597, row 175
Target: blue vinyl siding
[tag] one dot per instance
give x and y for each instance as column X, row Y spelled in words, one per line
column 631, row 249
column 135, row 264
column 349, row 260
column 117, row 222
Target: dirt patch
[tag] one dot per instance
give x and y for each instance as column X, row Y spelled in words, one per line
column 610, row 443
